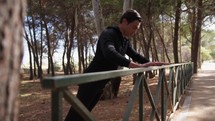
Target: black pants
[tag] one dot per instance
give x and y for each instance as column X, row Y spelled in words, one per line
column 89, row 94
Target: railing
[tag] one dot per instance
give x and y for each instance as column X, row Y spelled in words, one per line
column 168, row 90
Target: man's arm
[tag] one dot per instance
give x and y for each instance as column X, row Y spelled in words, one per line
column 137, row 65
column 141, row 60
column 107, row 46
column 136, row 56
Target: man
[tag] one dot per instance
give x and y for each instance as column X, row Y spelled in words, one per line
column 112, row 46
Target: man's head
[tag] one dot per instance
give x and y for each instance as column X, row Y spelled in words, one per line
column 131, row 15
column 130, row 22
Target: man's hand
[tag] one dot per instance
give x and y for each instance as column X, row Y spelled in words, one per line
column 136, row 65
column 154, row 64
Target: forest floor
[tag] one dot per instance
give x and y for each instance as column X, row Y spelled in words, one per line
column 35, row 102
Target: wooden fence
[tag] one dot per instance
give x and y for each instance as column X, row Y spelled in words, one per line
column 169, row 89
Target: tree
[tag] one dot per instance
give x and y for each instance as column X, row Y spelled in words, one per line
column 128, row 4
column 176, row 30
column 32, row 40
column 98, row 16
column 31, row 77
column 12, row 13
column 50, row 49
column 196, row 34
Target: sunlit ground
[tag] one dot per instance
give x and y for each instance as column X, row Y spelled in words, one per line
column 208, row 66
column 199, row 104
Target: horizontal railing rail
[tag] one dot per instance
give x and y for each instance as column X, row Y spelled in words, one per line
column 167, row 94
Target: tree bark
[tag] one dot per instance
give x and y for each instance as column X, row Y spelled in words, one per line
column 176, row 29
column 31, row 77
column 80, row 50
column 196, row 36
column 50, row 59
column 70, row 45
column 40, row 70
column 98, row 16
column 164, row 47
column 149, row 29
column 11, row 50
column 34, row 40
column 127, row 4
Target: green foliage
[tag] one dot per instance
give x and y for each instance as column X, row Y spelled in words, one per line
column 206, row 54
column 208, row 44
column 212, row 53
column 157, row 6
column 208, row 37
column 186, row 53
column 111, row 11
column 57, row 67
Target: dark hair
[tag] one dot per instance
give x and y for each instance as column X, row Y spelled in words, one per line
column 131, row 15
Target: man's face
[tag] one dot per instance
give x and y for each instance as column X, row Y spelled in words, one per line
column 131, row 28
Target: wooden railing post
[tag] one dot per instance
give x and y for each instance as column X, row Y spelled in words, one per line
column 163, row 116
column 141, row 104
column 56, row 105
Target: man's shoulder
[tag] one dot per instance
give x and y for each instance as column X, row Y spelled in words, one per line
column 113, row 30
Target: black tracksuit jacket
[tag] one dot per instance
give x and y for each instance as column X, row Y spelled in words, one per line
column 111, row 50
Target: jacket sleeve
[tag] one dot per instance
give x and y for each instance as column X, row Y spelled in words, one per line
column 135, row 56
column 109, row 51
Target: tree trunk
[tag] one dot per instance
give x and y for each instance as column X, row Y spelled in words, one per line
column 70, row 45
column 143, row 42
column 65, row 45
column 98, row 16
column 196, row 36
column 34, row 41
column 85, row 53
column 49, row 48
column 40, row 71
column 80, row 50
column 149, row 28
column 155, row 54
column 176, row 29
column 11, row 51
column 193, row 29
column 128, row 4
column 31, row 44
column 31, row 77
column 64, row 51
column 111, row 89
column 164, row 47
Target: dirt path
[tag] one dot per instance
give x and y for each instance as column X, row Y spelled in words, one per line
column 199, row 102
